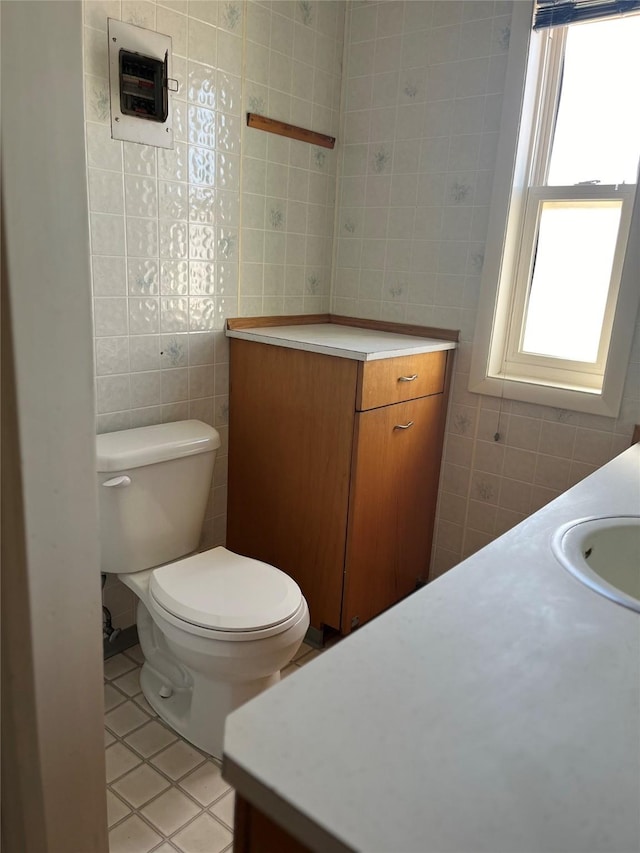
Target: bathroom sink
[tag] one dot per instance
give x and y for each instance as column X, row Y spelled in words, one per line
column 604, row 554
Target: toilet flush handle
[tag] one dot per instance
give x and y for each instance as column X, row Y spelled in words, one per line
column 118, row 482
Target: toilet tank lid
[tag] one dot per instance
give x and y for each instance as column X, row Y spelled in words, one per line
column 133, row 448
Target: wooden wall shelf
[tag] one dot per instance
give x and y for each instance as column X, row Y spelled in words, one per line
column 271, row 125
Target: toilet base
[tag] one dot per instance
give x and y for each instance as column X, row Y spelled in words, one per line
column 198, row 713
column 194, row 680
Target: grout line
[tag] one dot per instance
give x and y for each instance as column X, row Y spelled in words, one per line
column 172, row 784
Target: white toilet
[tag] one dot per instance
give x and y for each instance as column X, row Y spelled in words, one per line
column 215, row 628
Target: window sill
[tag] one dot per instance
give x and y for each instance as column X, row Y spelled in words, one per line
column 576, row 400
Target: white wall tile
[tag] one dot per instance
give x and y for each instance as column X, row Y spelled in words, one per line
column 144, row 353
column 142, row 237
column 105, row 191
column 202, row 42
column 141, row 196
column 175, row 385
column 229, row 52
column 201, row 382
column 96, row 13
column 96, row 52
column 112, row 355
column 139, row 159
column 146, row 416
column 173, row 239
column 107, row 234
column 174, row 350
column 142, row 277
column 110, row 317
column 109, row 276
column 113, row 393
column 174, row 314
column 142, row 13
column 144, row 316
column 172, row 24
column 175, row 412
column 145, row 389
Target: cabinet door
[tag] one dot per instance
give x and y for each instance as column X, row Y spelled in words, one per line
column 391, row 506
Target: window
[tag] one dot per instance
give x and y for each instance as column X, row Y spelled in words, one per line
column 560, row 291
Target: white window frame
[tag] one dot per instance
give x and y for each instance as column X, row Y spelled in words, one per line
column 498, row 367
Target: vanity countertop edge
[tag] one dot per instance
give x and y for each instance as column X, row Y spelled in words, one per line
column 341, row 340
column 497, row 710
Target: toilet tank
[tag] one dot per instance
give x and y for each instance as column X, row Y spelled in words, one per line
column 153, row 487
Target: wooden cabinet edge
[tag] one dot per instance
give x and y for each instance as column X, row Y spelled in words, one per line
column 397, row 328
column 255, row 832
column 239, row 323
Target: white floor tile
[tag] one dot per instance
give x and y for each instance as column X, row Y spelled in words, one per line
column 120, row 760
column 129, row 683
column 117, row 665
column 304, row 649
column 135, row 653
column 170, row 811
column 112, row 698
column 205, row 784
column 133, row 836
column 151, row 738
column 116, row 809
column 177, row 760
column 223, row 808
column 140, row 786
column 125, row 718
column 192, row 815
column 142, row 703
column 204, row 835
column 309, row 656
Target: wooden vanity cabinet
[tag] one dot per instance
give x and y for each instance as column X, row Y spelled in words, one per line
column 333, row 472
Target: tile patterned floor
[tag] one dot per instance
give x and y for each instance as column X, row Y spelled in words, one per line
column 163, row 794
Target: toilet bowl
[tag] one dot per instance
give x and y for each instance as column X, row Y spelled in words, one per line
column 215, row 628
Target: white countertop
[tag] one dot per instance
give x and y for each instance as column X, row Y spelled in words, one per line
column 497, row 709
column 344, row 341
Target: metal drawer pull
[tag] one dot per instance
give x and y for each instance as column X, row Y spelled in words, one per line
column 407, row 378
column 404, row 426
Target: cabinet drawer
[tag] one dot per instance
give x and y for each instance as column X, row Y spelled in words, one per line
column 393, row 380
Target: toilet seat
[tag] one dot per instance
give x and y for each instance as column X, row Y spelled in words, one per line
column 220, row 594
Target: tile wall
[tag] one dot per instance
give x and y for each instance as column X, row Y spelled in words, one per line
column 423, row 97
column 293, row 71
column 231, row 221
column 239, row 222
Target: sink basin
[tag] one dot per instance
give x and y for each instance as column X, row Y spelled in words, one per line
column 604, row 554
